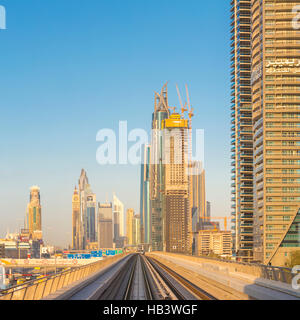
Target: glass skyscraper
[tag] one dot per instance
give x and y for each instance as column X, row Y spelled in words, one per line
column 145, row 209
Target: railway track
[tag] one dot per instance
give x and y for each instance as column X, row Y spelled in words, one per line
column 196, row 291
column 144, row 278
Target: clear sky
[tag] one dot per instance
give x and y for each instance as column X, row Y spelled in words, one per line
column 71, row 68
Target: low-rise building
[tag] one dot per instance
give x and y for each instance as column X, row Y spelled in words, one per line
column 214, row 241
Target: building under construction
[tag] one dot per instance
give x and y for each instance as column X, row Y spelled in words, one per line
column 171, row 212
column 177, row 209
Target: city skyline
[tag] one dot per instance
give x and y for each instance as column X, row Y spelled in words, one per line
column 78, row 108
column 150, row 151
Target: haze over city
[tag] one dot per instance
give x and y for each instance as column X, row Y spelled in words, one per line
column 95, row 65
column 150, row 151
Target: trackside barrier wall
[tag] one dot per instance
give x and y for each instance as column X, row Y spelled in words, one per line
column 226, row 266
column 38, row 289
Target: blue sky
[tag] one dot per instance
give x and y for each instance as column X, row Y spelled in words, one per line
column 71, row 68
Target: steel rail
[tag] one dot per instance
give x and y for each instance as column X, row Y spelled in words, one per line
column 199, row 292
column 148, row 286
column 179, row 295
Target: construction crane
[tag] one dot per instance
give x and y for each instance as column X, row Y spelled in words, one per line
column 172, row 108
column 190, row 114
column 191, row 110
column 218, row 218
column 183, row 108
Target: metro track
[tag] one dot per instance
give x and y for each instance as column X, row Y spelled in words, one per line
column 198, row 292
column 138, row 277
column 144, row 278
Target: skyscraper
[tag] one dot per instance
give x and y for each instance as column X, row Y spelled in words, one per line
column 118, row 218
column 83, row 186
column 129, row 226
column 197, row 200
column 87, row 230
column 198, row 195
column 170, row 162
column 75, row 220
column 241, row 130
column 265, row 130
column 34, row 214
column 276, row 124
column 90, row 225
column 136, row 234
column 177, row 212
column 133, row 228
column 145, row 210
column 105, row 226
column 161, row 112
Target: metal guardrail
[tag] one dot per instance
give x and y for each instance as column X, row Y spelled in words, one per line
column 277, row 273
column 281, row 274
column 38, row 289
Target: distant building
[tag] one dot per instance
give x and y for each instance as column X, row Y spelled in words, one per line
column 129, row 226
column 121, row 242
column 85, row 223
column 133, row 228
column 208, row 210
column 197, row 198
column 2, row 250
column 90, row 225
column 178, row 217
column 161, row 112
column 25, row 235
column 34, row 214
column 35, row 249
column 145, row 209
column 14, row 249
column 118, row 219
column 136, row 234
column 209, row 225
column 83, row 185
column 214, row 241
column 92, row 246
column 105, row 226
column 76, row 221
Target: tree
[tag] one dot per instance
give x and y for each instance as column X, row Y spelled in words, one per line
column 294, row 259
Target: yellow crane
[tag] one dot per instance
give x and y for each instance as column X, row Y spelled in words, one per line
column 217, row 218
column 183, row 108
column 172, row 108
column 191, row 110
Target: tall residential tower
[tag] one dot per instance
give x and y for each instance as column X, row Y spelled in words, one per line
column 241, row 130
column 276, row 130
column 265, row 69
